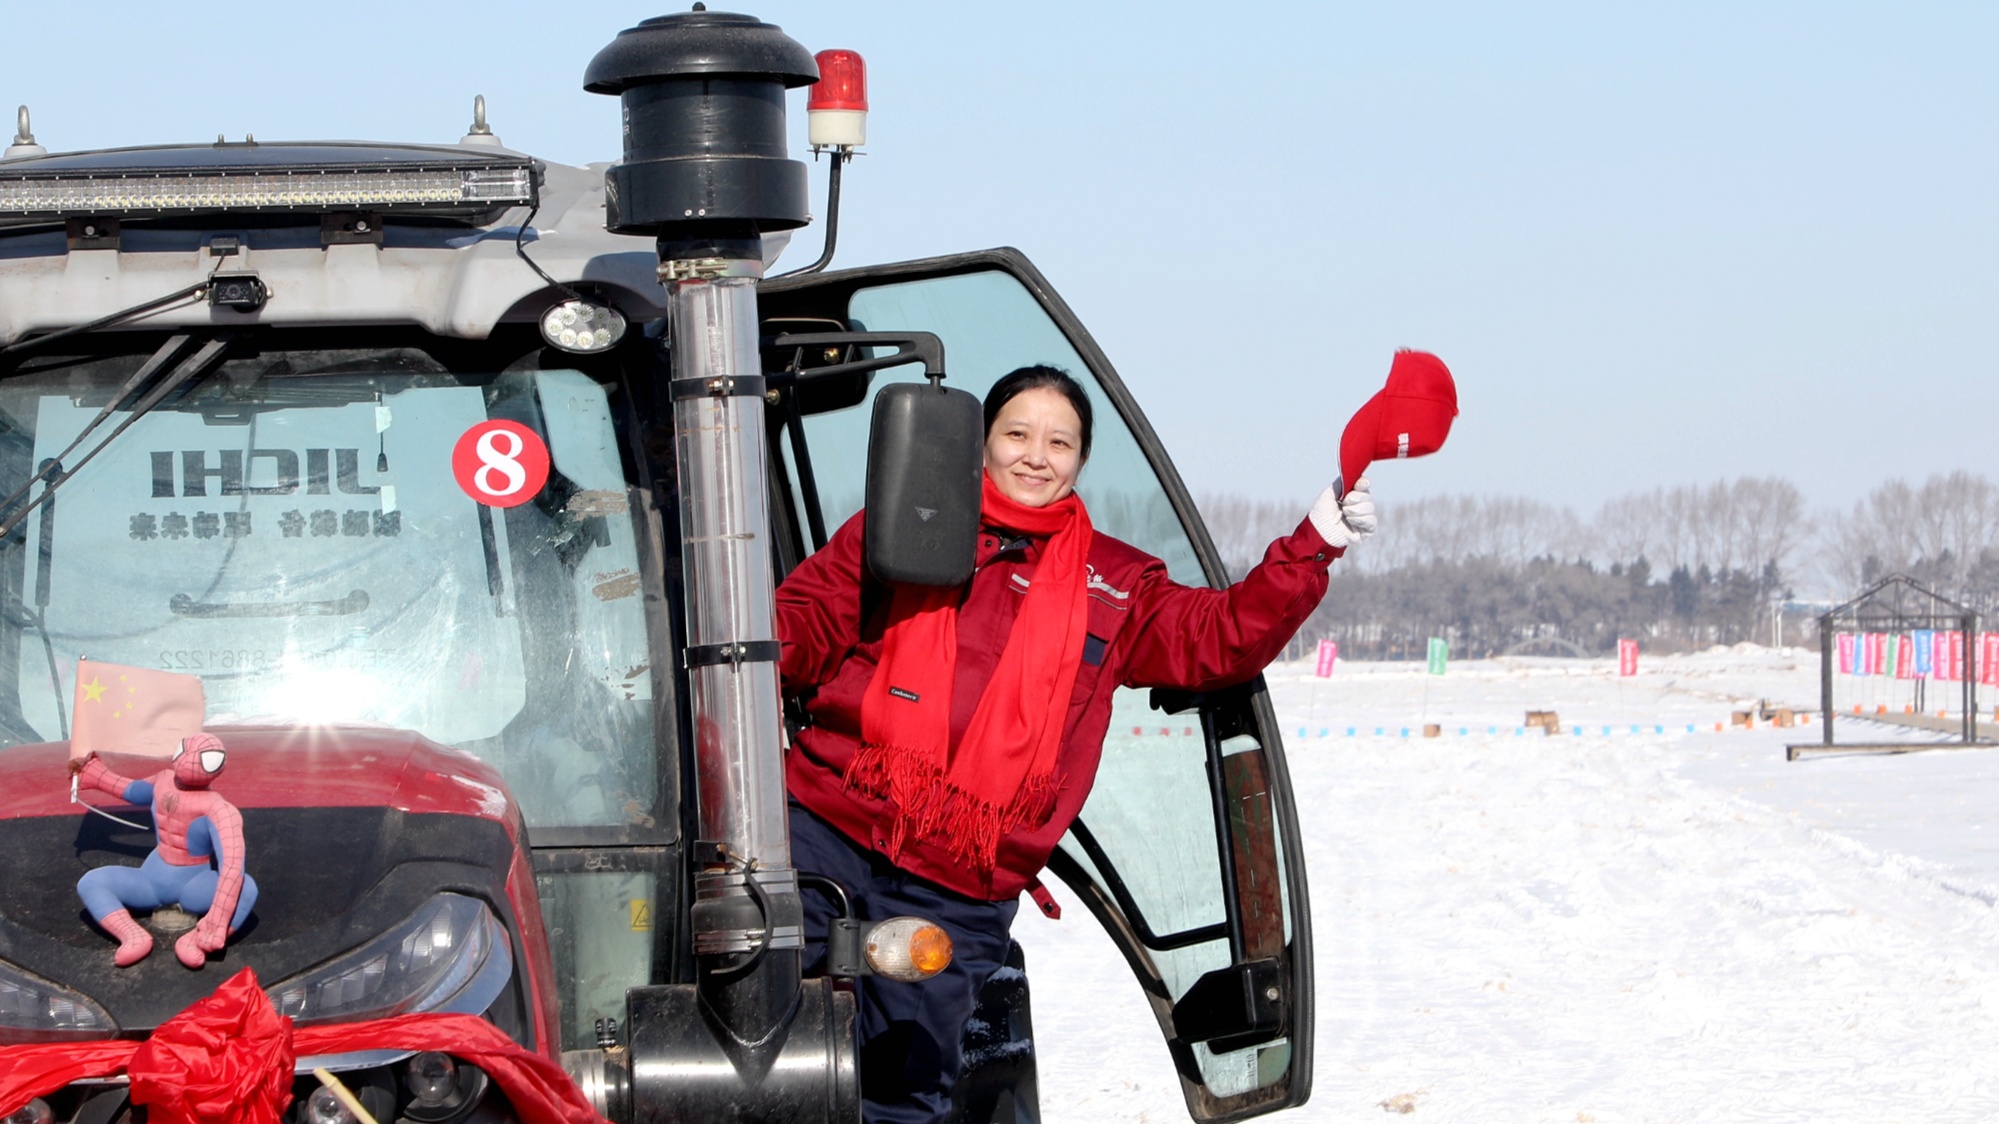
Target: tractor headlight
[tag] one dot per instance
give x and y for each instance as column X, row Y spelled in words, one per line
column 34, row 1010
column 440, row 1089
column 450, row 955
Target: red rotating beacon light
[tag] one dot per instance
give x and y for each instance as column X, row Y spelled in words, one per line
column 837, row 108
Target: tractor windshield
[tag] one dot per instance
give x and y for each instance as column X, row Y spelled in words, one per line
column 344, row 537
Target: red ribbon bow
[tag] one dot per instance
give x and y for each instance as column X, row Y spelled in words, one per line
column 230, row 1058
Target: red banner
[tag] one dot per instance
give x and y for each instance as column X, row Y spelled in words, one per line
column 1988, row 658
column 1627, row 657
column 1956, row 657
column 1941, row 664
column 1329, row 654
column 1905, row 657
column 1844, row 642
column 1875, row 656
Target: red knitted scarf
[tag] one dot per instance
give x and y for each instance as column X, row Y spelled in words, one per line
column 1002, row 775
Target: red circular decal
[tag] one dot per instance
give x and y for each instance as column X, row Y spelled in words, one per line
column 500, row 463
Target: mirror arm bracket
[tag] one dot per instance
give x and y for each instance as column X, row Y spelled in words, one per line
column 911, row 347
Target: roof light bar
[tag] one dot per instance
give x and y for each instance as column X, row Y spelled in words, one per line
column 462, row 190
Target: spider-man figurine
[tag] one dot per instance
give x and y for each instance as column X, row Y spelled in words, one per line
column 198, row 864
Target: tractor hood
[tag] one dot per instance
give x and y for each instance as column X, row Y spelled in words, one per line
column 289, row 767
column 348, row 833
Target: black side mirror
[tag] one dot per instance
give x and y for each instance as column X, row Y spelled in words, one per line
column 926, row 451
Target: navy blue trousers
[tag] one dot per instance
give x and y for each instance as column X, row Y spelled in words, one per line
column 911, row 1033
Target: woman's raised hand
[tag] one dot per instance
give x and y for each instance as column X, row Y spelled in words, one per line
column 1344, row 516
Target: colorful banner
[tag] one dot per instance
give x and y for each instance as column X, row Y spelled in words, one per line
column 1926, row 646
column 1988, row 658
column 1871, row 656
column 1903, row 659
column 1956, row 657
column 1329, row 654
column 1940, row 655
column 1627, row 657
column 1844, row 642
column 1440, row 653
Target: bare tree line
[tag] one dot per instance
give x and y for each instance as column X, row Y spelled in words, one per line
column 1689, row 564
column 1747, row 523
column 1942, row 532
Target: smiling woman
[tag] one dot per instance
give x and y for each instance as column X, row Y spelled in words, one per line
column 1037, row 435
column 953, row 733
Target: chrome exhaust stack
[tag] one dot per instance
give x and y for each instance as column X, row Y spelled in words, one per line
column 705, row 171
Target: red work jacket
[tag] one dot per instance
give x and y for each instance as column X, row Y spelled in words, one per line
column 1144, row 630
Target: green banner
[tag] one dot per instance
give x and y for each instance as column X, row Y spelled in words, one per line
column 1440, row 652
column 1893, row 644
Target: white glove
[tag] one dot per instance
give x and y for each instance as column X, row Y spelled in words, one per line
column 1344, row 517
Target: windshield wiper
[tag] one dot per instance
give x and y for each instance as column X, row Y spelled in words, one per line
column 146, row 370
column 193, row 365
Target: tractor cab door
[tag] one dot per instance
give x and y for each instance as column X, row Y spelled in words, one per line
column 1187, row 850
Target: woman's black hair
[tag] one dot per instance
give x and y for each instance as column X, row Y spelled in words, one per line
column 1014, row 383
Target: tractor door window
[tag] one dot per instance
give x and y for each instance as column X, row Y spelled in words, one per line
column 990, row 325
column 1147, row 845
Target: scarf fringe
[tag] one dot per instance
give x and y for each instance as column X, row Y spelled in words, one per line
column 927, row 805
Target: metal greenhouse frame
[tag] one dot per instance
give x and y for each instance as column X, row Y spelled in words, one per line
column 1898, row 603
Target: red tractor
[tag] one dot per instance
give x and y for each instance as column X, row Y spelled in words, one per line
column 462, row 481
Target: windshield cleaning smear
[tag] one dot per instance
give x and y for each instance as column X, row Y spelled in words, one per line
column 610, row 587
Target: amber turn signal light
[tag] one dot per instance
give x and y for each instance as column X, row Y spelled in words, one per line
column 908, row 949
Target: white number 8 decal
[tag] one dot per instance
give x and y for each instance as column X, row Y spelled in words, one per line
column 500, row 463
column 492, row 459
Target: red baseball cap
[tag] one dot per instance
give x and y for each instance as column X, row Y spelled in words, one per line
column 1410, row 417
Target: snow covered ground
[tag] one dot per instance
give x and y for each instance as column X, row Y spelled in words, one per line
column 1626, row 927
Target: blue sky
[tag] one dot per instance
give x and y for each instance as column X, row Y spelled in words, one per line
column 1657, row 245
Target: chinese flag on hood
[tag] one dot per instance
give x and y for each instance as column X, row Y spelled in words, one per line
column 134, row 710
